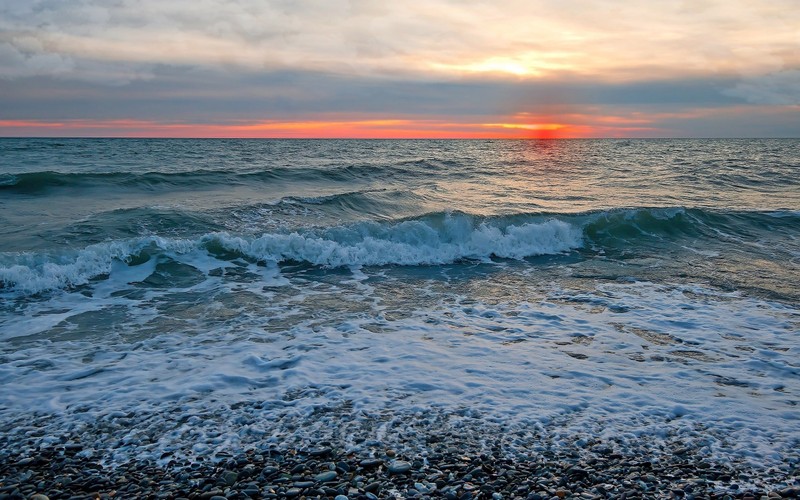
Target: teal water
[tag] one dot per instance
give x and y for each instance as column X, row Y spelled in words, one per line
column 608, row 285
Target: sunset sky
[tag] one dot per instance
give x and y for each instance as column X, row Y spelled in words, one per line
column 417, row 68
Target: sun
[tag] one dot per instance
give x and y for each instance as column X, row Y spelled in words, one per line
column 534, row 130
column 547, row 130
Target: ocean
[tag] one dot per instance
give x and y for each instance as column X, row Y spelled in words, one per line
column 187, row 298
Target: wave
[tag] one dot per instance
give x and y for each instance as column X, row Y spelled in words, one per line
column 336, row 198
column 42, row 181
column 641, row 225
column 34, row 182
column 431, row 239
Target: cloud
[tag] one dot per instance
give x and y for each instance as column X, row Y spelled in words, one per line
column 781, row 89
column 607, row 66
column 417, row 39
column 202, row 94
column 16, row 62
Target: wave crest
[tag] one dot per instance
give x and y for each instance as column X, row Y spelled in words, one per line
column 414, row 242
column 431, row 240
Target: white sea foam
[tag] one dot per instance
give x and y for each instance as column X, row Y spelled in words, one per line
column 33, row 273
column 414, row 242
column 635, row 364
column 411, row 243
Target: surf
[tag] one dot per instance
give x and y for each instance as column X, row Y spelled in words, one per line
column 429, row 240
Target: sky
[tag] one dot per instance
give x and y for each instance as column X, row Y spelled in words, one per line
column 416, row 68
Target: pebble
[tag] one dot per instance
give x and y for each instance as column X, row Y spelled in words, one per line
column 399, row 467
column 230, row 477
column 209, row 494
column 252, row 490
column 326, row 476
column 444, row 471
column 269, row 470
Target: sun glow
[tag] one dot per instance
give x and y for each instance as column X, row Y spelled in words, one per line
column 528, row 126
column 501, row 65
column 522, row 65
column 548, row 123
column 536, row 130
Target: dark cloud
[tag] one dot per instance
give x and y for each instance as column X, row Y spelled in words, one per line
column 781, row 88
column 195, row 95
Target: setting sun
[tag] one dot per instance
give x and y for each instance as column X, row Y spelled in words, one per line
column 536, row 130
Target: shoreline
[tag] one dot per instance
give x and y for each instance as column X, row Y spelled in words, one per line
column 447, row 471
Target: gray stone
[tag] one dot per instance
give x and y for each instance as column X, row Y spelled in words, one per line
column 399, row 467
column 211, row 493
column 422, row 488
column 341, row 497
column 230, row 477
column 326, row 476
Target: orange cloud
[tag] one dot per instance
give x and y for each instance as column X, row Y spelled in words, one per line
column 366, row 129
column 28, row 124
column 524, row 125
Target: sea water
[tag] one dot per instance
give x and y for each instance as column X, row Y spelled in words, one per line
column 191, row 297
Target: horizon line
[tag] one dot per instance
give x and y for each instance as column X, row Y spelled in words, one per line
column 278, row 138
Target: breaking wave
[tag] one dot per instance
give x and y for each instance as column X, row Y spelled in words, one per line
column 432, row 239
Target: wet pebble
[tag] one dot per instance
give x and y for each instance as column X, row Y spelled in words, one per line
column 230, row 477
column 325, row 477
column 445, row 472
column 399, row 467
